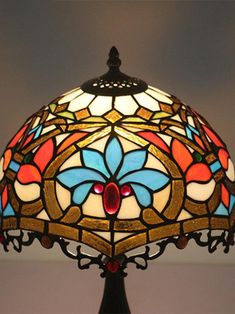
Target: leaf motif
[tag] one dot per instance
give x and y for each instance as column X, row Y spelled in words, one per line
column 113, row 154
column 142, row 194
column 93, row 159
column 81, row 192
column 133, row 160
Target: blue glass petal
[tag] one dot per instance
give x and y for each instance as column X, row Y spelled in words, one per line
column 221, row 210
column 8, row 211
column 75, row 176
column 38, row 132
column 194, row 130
column 113, row 154
column 231, row 203
column 132, row 161
column 142, row 194
column 93, row 159
column 152, row 179
column 80, row 193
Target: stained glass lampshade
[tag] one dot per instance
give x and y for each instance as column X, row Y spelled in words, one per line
column 119, row 167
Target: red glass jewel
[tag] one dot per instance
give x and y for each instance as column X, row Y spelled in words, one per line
column 181, row 154
column 112, row 266
column 98, row 188
column 111, row 198
column 198, row 172
column 28, row 174
column 44, row 154
column 126, row 190
column 155, row 139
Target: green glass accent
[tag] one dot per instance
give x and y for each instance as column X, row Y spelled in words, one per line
column 28, row 158
column 66, row 114
column 197, row 156
column 52, row 107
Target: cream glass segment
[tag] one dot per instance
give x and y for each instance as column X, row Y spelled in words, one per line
column 147, row 101
column 200, row 192
column 48, row 129
column 159, row 97
column 121, row 235
column 125, row 104
column 59, row 138
column 104, row 234
column 100, row 144
column 70, row 96
column 178, row 130
column 127, row 145
column 230, row 172
column 63, row 196
column 93, row 206
column 72, row 161
column 80, row 102
column 161, row 198
column 184, row 215
column 159, row 90
column 101, row 105
column 50, row 117
column 43, row 215
column 27, row 193
column 129, row 208
column 36, row 122
column 154, row 163
column 1, row 169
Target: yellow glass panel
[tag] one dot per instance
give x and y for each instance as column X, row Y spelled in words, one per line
column 100, row 105
column 147, row 101
column 129, row 208
column 125, row 104
column 63, row 196
column 159, row 96
column 161, row 198
column 80, row 102
column 27, row 192
column 200, row 192
column 161, row 114
column 70, row 96
column 113, row 116
column 93, row 206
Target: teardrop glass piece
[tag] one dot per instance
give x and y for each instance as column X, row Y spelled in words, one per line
column 111, row 198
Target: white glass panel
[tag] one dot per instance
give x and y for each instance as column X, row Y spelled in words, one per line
column 167, row 139
column 161, row 198
column 121, row 235
column 178, row 130
column 154, row 163
column 73, row 161
column 100, row 144
column 70, row 96
column 127, row 145
column 230, row 172
column 146, row 101
column 48, row 129
column 159, row 97
column 93, row 206
column 176, row 118
column 43, row 215
column 191, row 121
column 125, row 104
column 104, row 234
column 61, row 137
column 27, row 192
column 200, row 192
column 129, row 208
column 50, row 117
column 80, row 102
column 158, row 90
column 101, row 105
column 63, row 196
column 36, row 122
column 1, row 169
column 184, row 215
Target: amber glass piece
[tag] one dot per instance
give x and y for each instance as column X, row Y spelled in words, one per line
column 113, row 116
column 144, row 113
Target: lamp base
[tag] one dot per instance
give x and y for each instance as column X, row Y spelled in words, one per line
column 114, row 298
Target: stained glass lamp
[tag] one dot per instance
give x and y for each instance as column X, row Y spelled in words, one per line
column 121, row 169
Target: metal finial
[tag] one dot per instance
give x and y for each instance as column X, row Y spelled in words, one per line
column 114, row 61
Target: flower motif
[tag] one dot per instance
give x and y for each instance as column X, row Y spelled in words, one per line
column 114, row 175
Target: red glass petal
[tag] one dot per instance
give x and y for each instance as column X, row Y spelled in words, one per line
column 98, row 188
column 214, row 137
column 155, row 139
column 4, row 197
column 126, row 190
column 29, row 139
column 44, row 154
column 199, row 141
column 224, row 195
column 198, row 172
column 181, row 154
column 28, row 174
column 7, row 159
column 111, row 198
column 17, row 137
column 70, row 140
column 223, row 157
column 112, row 266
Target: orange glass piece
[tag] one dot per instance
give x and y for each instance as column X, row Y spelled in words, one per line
column 17, row 137
column 29, row 139
column 213, row 136
column 181, row 154
column 7, row 159
column 224, row 195
column 70, row 140
column 198, row 172
column 4, row 197
column 155, row 139
column 223, row 157
column 199, row 141
column 44, row 155
column 28, row 174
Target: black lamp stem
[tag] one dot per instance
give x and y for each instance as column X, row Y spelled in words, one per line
column 114, row 297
